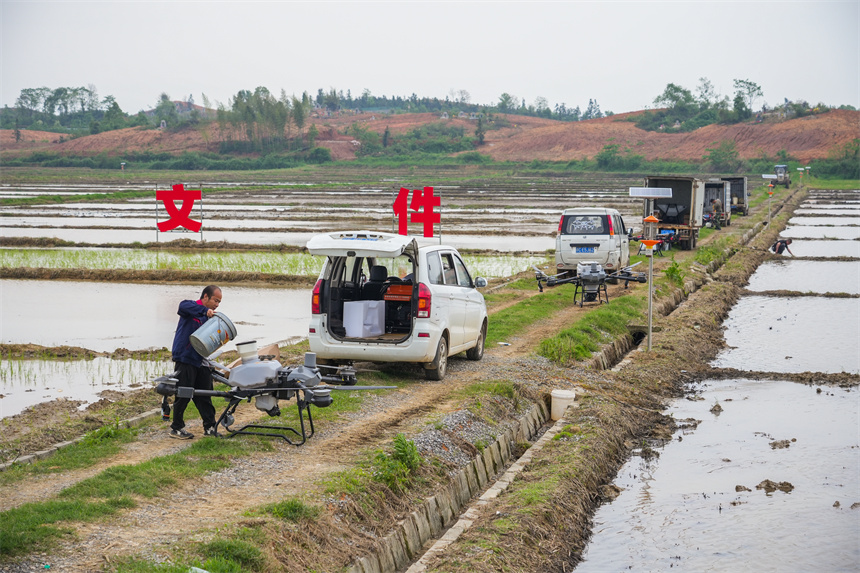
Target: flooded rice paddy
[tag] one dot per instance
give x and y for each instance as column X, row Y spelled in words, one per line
column 826, row 221
column 793, row 334
column 106, row 316
column 821, row 232
column 770, row 481
column 517, row 214
column 25, row 383
column 825, row 248
column 807, row 276
column 697, row 506
column 487, row 266
column 504, row 243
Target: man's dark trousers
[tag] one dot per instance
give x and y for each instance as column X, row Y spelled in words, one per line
column 199, row 378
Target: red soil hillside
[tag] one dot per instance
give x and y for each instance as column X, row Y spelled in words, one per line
column 526, row 138
column 807, row 138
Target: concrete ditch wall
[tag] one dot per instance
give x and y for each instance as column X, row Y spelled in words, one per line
column 399, row 548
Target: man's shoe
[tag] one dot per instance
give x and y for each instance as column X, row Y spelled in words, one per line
column 181, row 434
column 213, row 431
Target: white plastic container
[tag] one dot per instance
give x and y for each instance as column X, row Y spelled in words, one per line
column 247, row 351
column 364, row 318
column 561, row 399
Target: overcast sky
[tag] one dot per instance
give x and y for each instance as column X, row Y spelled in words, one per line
column 620, row 53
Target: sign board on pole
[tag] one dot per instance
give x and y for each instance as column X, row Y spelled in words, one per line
column 800, row 168
column 651, row 192
column 768, row 176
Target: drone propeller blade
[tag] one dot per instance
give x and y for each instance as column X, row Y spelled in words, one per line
column 331, row 387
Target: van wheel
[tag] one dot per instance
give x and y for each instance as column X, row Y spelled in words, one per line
column 477, row 351
column 441, row 362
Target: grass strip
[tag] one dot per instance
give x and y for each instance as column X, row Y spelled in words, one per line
column 590, row 332
column 508, row 322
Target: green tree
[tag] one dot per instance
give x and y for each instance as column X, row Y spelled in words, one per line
column 608, row 156
column 706, row 95
column 479, row 131
column 166, row 110
column 750, row 91
column 299, row 114
column 114, row 117
column 740, row 108
column 724, row 157
column 506, row 102
column 386, row 137
column 313, row 132
column 17, row 131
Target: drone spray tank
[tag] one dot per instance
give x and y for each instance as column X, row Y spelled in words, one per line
column 591, row 276
column 255, row 373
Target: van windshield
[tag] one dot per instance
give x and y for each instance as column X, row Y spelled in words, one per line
column 584, row 225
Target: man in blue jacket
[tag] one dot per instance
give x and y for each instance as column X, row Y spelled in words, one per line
column 191, row 373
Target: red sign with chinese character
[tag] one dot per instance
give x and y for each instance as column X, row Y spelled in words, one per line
column 179, row 216
column 422, row 205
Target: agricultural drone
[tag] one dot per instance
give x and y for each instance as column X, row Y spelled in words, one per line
column 590, row 281
column 266, row 381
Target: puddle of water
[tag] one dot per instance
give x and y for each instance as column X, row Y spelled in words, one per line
column 681, row 511
column 811, row 232
column 824, row 248
column 107, row 316
column 793, row 334
column 24, row 383
column 832, row 221
column 807, row 276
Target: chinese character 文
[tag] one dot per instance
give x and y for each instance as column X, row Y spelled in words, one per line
column 422, row 204
column 179, row 216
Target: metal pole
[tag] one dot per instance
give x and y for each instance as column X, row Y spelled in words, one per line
column 769, row 200
column 650, row 296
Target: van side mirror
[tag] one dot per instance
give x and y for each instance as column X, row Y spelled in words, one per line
column 480, row 282
column 629, row 232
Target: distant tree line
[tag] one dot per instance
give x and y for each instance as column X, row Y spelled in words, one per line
column 684, row 111
column 68, row 110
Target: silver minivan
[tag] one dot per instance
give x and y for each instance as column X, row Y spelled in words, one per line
column 591, row 234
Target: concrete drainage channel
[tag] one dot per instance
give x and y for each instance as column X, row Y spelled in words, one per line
column 444, row 510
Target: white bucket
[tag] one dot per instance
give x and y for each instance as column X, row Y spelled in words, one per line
column 215, row 333
column 561, row 399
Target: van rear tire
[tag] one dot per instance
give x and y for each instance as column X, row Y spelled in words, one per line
column 441, row 362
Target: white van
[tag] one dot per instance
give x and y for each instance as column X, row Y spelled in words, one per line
column 591, row 234
column 382, row 298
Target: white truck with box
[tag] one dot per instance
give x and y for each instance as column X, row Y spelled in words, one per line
column 681, row 213
column 740, row 195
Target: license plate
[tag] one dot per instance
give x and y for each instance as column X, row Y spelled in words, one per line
column 584, row 249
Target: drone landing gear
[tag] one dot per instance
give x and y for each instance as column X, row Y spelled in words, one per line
column 270, row 431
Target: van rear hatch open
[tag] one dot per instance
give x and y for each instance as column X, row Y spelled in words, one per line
column 362, row 244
